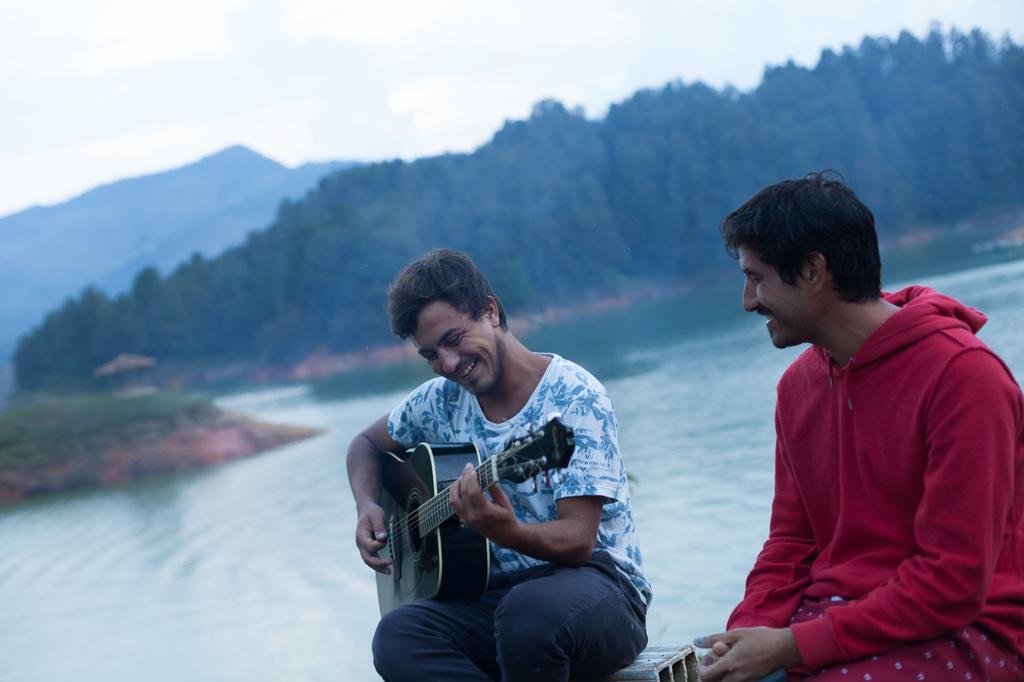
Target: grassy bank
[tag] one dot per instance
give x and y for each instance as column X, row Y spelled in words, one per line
column 49, row 444
column 45, row 430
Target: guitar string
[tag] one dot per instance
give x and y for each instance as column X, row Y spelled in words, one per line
column 399, row 531
column 436, row 505
column 432, row 505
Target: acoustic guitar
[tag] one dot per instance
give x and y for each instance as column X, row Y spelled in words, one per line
column 434, row 556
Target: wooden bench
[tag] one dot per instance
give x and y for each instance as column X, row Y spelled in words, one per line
column 661, row 664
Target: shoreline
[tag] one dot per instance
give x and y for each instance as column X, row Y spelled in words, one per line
column 130, row 449
column 986, row 234
column 1005, row 229
column 323, row 364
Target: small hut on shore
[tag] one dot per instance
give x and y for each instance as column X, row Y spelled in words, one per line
column 128, row 374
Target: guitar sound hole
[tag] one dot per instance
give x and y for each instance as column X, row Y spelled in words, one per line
column 414, row 532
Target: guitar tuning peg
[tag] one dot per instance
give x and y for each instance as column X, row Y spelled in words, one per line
column 547, row 478
column 536, row 485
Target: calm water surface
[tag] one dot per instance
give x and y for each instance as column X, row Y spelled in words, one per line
column 248, row 571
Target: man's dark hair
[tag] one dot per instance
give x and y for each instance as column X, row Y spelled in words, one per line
column 786, row 222
column 439, row 275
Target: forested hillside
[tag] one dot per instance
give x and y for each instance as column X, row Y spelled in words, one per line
column 559, row 207
column 108, row 234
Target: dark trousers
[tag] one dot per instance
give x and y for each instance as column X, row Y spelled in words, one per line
column 542, row 623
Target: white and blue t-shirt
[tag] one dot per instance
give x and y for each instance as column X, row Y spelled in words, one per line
column 441, row 411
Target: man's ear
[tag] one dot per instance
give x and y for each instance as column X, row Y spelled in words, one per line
column 814, row 270
column 491, row 312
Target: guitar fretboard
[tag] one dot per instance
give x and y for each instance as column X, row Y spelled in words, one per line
column 438, row 509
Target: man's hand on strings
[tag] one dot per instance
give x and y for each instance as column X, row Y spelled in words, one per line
column 493, row 518
column 371, row 536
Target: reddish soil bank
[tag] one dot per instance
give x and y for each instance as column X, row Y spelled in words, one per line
column 123, row 457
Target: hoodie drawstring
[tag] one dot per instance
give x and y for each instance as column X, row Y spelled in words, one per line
column 849, row 400
column 849, row 368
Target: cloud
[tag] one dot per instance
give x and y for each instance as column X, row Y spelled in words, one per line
column 453, row 71
column 464, row 25
column 151, row 150
column 157, row 83
column 130, row 34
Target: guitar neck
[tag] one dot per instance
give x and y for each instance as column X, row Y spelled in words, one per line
column 438, row 508
column 546, row 448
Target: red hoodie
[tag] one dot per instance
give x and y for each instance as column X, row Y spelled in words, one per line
column 899, row 485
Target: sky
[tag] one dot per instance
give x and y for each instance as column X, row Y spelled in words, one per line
column 92, row 91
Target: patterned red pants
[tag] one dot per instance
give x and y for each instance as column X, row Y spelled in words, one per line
column 965, row 654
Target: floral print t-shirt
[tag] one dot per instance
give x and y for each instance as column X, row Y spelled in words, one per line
column 441, row 411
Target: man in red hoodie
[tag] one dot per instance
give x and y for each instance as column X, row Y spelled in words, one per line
column 896, row 546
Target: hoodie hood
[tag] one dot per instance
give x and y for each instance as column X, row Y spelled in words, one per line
column 922, row 312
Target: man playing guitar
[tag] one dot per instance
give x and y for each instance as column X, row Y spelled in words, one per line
column 567, row 595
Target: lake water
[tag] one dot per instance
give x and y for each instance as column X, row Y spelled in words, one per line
column 249, row 572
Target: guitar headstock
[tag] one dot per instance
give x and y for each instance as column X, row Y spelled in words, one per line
column 549, row 447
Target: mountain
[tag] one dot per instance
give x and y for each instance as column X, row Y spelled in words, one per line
column 105, row 236
column 559, row 208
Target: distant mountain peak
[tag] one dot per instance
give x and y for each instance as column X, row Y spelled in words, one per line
column 236, row 155
column 105, row 235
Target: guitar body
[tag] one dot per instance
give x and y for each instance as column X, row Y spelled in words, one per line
column 449, row 562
